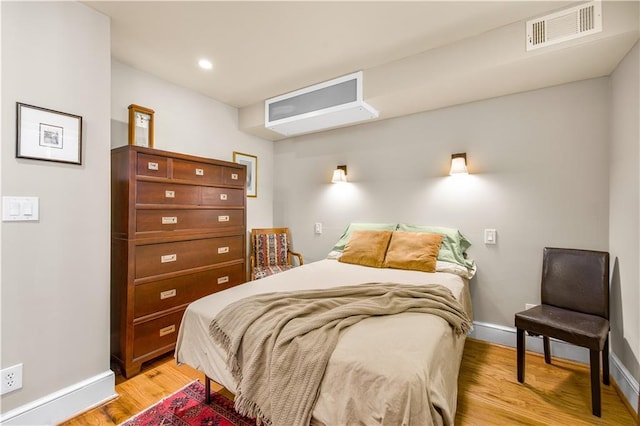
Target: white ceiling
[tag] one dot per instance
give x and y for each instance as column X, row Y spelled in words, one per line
column 416, row 55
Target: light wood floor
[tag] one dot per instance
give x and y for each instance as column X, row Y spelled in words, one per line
column 556, row 394
column 489, row 393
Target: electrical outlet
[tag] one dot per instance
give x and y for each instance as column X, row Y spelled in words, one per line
column 529, row 305
column 11, row 379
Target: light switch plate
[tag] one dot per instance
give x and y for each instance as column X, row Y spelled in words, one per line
column 20, row 209
column 490, row 236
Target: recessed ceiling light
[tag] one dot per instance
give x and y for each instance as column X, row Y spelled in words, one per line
column 205, row 64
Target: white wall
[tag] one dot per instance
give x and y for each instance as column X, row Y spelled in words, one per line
column 191, row 123
column 55, row 272
column 539, row 176
column 624, row 220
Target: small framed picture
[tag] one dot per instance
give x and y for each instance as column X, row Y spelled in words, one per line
column 251, row 161
column 140, row 126
column 45, row 134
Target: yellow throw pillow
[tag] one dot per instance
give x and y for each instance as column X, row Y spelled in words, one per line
column 366, row 248
column 414, row 251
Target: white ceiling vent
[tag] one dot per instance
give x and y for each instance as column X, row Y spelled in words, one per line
column 568, row 24
column 322, row 106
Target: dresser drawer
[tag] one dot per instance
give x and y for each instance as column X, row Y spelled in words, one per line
column 212, row 196
column 197, row 172
column 232, row 176
column 156, row 259
column 151, row 165
column 180, row 220
column 153, row 335
column 165, row 294
column 164, row 193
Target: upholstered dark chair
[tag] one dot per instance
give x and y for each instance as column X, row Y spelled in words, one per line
column 271, row 252
column 575, row 309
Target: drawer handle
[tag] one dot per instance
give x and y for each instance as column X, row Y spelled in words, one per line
column 223, row 218
column 223, row 197
column 199, row 172
column 168, row 258
column 168, row 294
column 222, row 250
column 169, row 220
column 167, row 330
column 234, row 176
column 169, row 194
column 152, row 166
column 223, row 280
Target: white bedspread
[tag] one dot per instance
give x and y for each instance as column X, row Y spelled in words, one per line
column 391, row 370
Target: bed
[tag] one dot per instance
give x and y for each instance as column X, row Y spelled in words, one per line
column 392, row 369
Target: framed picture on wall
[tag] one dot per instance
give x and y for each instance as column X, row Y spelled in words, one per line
column 141, row 124
column 251, row 161
column 45, row 134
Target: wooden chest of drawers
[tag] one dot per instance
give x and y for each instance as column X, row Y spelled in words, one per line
column 178, row 233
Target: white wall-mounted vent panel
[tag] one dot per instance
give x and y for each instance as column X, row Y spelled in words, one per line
column 567, row 24
column 322, row 106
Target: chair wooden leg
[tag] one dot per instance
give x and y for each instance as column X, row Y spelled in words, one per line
column 520, row 343
column 547, row 349
column 594, row 357
column 605, row 362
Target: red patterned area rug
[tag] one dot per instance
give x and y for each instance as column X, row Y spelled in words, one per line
column 186, row 407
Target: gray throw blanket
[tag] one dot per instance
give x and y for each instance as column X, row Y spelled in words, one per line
column 278, row 344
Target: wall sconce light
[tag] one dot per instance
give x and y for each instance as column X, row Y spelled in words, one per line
column 459, row 164
column 339, row 174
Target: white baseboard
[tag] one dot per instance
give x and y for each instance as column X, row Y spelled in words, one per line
column 625, row 381
column 506, row 336
column 65, row 403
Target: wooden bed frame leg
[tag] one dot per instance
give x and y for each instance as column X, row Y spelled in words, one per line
column 207, row 390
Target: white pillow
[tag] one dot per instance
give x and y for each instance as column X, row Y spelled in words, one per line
column 454, row 268
column 334, row 254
